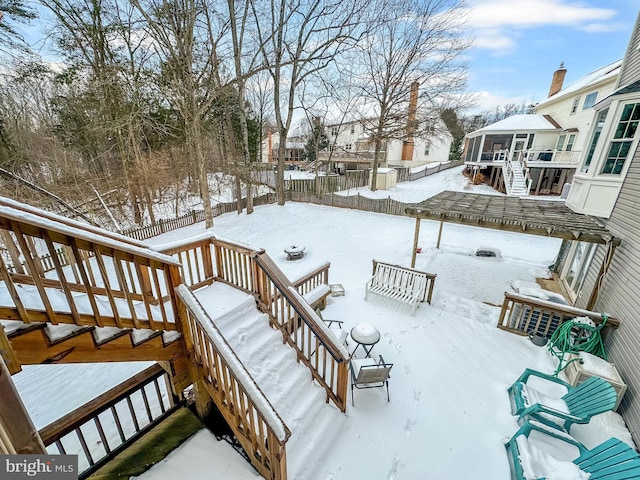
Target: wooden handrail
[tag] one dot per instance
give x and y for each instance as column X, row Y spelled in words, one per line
column 248, row 412
column 207, row 259
column 66, row 424
column 126, row 284
column 293, row 317
column 113, row 418
column 311, row 280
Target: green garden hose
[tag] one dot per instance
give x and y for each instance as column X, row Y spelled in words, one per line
column 565, row 341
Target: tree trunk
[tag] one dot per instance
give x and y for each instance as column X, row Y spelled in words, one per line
column 238, row 190
column 282, row 149
column 374, row 170
column 194, row 144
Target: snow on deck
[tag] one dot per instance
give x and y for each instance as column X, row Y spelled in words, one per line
column 449, row 412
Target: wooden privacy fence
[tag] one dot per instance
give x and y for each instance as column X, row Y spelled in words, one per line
column 251, row 270
column 255, row 423
column 324, row 184
column 304, row 190
column 357, row 202
column 195, row 216
column 406, row 175
column 100, row 429
column 125, row 284
column 522, row 315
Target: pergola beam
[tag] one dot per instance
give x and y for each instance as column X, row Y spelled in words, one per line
column 512, row 214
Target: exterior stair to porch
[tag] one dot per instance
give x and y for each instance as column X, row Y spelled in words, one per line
column 286, row 383
column 514, row 180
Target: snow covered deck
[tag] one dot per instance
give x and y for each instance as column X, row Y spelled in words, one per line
column 449, row 412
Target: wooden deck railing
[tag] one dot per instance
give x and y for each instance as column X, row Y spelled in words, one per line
column 320, row 352
column 125, row 284
column 100, row 429
column 521, row 314
column 320, row 276
column 255, row 423
column 252, row 270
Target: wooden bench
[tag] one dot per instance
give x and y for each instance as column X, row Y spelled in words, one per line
column 405, row 286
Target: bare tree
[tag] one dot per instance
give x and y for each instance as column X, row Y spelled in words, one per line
column 12, row 13
column 416, row 43
column 298, row 39
column 185, row 34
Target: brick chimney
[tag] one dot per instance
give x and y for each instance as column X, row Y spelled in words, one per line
column 407, row 146
column 558, row 79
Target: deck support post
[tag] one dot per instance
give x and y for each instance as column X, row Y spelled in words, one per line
column 439, row 235
column 415, row 243
column 18, row 435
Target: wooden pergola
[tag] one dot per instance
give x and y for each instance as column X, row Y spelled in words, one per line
column 549, row 218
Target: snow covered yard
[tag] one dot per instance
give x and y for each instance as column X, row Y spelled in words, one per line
column 449, row 412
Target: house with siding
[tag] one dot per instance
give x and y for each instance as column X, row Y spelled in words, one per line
column 606, row 278
column 542, row 148
column 351, row 145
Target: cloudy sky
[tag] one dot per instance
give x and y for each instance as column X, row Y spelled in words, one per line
column 519, row 43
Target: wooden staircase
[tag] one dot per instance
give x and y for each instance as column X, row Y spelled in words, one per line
column 275, row 368
column 70, row 292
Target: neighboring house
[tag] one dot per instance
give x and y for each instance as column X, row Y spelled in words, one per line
column 351, row 145
column 606, row 278
column 294, row 155
column 544, row 146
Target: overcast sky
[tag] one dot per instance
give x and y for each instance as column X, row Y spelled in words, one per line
column 520, row 43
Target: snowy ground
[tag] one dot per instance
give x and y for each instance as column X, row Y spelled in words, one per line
column 449, row 412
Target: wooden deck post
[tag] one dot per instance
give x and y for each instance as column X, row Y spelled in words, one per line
column 439, row 235
column 415, row 243
column 14, row 253
column 17, row 433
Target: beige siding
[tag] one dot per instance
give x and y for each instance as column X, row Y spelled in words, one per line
column 631, row 65
column 620, row 294
column 590, row 278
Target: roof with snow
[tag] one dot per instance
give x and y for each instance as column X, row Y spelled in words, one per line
column 549, row 218
column 625, row 90
column 607, row 72
column 525, row 122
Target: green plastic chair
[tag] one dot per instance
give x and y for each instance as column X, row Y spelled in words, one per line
column 578, row 405
column 611, row 460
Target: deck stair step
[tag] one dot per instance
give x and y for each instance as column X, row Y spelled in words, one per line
column 60, row 333
column 287, row 384
column 36, row 343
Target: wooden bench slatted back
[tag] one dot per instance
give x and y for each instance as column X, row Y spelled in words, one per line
column 406, row 286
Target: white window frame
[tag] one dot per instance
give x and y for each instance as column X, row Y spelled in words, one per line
column 560, row 143
column 621, row 142
column 590, row 100
column 581, row 268
column 574, row 107
column 570, row 141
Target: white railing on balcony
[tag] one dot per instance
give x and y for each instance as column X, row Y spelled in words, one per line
column 497, row 156
column 553, row 156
